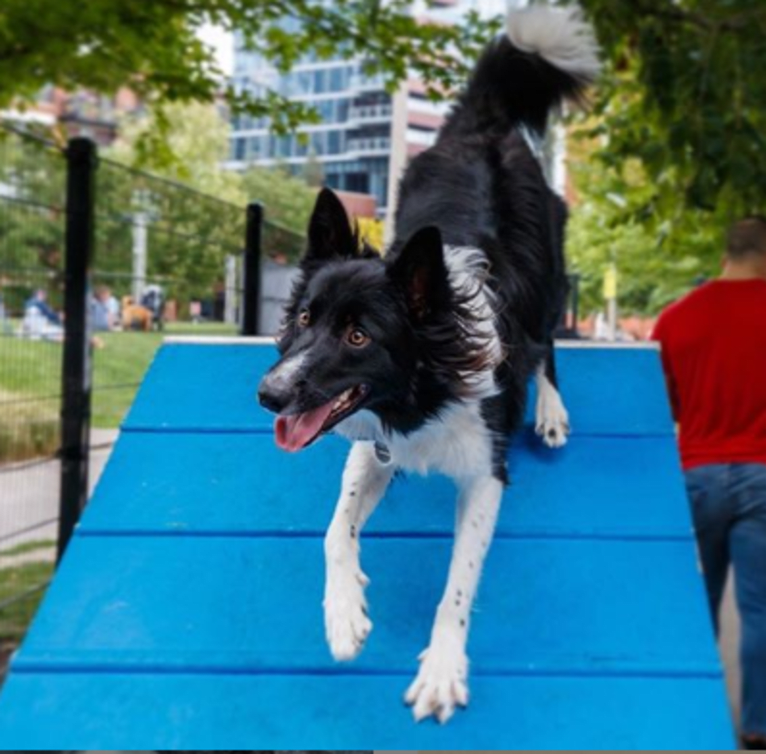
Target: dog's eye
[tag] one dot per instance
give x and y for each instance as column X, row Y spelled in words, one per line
column 304, row 318
column 357, row 337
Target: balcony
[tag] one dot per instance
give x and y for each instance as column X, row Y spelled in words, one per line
column 369, row 145
column 370, row 113
column 361, row 83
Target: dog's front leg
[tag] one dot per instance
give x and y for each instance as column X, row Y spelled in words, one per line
column 442, row 681
column 345, row 610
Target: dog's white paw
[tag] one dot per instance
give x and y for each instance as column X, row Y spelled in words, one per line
column 441, row 682
column 554, row 430
column 552, row 419
column 345, row 615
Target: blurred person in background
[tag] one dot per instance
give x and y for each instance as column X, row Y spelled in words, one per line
column 714, row 356
column 40, row 320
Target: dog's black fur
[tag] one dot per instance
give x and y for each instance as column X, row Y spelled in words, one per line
column 478, row 186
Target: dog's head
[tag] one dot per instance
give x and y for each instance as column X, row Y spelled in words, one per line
column 364, row 333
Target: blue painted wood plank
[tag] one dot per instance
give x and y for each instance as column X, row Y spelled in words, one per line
column 246, row 604
column 203, row 387
column 168, row 482
column 213, row 387
column 241, row 712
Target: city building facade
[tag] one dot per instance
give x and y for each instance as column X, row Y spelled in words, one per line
column 366, row 134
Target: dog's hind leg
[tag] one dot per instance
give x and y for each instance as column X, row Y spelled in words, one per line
column 365, row 480
column 551, row 417
column 442, row 681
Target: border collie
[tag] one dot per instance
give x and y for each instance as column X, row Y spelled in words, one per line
column 422, row 357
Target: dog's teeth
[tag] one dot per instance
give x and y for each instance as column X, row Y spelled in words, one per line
column 343, row 401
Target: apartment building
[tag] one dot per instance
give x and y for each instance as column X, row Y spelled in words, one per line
column 78, row 113
column 366, row 135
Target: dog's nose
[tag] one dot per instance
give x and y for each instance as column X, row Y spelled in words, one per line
column 271, row 397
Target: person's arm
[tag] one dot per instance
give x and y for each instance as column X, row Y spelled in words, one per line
column 48, row 313
column 660, row 334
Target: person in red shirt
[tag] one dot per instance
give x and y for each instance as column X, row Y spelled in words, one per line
column 713, row 345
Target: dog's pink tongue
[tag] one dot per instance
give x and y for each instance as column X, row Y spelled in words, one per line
column 295, row 432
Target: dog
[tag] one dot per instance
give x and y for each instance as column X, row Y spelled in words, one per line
column 422, row 357
column 135, row 316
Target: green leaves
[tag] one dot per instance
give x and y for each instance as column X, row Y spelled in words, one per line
column 152, row 47
column 684, row 90
column 194, row 142
column 678, row 131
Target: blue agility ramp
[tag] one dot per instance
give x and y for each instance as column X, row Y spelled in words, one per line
column 187, row 610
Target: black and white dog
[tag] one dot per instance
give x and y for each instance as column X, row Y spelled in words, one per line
column 422, row 358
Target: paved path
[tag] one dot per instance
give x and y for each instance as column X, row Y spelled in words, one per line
column 29, row 495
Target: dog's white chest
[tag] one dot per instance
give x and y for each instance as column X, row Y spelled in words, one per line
column 457, row 444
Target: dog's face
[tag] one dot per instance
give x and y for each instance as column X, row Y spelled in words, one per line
column 352, row 335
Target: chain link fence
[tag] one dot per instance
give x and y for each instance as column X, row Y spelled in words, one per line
column 166, row 259
column 32, row 228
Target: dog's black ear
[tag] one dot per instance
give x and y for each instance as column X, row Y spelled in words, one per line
column 420, row 270
column 330, row 233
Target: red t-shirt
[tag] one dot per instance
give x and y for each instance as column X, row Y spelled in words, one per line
column 714, row 354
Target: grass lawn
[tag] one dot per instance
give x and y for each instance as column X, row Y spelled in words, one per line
column 20, row 578
column 32, row 369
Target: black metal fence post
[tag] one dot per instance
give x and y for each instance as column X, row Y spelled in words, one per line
column 81, row 159
column 252, row 270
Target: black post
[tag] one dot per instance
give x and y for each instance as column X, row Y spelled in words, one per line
column 76, row 381
column 252, row 269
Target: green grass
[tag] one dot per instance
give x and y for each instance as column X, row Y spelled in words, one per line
column 25, row 547
column 15, row 581
column 23, row 585
column 122, row 361
column 33, row 369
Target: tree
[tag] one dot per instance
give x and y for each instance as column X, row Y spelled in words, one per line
column 313, row 170
column 32, row 179
column 683, row 94
column 656, row 261
column 287, row 199
column 191, row 227
column 153, row 48
column 197, row 137
column 673, row 149
column 198, row 140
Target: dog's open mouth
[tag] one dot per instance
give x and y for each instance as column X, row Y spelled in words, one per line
column 296, row 431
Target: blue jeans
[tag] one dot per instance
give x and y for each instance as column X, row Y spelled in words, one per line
column 729, row 509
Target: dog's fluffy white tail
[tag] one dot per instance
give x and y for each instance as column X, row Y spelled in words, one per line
column 548, row 55
column 561, row 36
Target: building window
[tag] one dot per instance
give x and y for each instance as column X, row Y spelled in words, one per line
column 326, row 109
column 304, row 82
column 318, row 142
column 357, row 182
column 333, row 142
column 337, row 79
